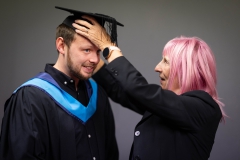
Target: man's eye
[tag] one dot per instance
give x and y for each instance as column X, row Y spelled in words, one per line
column 99, row 52
column 87, row 50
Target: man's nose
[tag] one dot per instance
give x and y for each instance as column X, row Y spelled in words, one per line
column 95, row 58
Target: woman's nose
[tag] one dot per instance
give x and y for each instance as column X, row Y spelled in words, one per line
column 158, row 67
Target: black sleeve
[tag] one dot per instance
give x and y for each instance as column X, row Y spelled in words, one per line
column 188, row 111
column 19, row 138
column 115, row 91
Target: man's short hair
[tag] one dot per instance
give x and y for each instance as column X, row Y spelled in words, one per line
column 67, row 33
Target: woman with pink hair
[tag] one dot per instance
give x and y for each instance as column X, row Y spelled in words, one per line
column 181, row 115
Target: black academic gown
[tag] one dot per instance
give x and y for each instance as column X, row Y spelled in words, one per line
column 35, row 127
column 173, row 127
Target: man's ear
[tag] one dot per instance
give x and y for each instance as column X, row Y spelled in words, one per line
column 60, row 45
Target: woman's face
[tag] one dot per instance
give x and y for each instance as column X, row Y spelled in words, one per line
column 163, row 67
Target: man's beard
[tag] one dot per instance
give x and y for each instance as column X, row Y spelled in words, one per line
column 74, row 70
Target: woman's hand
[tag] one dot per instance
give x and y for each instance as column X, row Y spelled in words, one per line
column 94, row 32
column 97, row 35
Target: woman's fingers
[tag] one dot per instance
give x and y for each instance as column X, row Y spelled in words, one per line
column 94, row 32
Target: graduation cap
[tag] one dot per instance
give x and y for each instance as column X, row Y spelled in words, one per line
column 109, row 23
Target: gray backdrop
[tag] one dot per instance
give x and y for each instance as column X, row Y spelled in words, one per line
column 27, row 42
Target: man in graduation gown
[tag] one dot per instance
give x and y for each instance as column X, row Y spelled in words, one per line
column 61, row 114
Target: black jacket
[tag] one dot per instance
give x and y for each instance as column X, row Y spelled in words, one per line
column 173, row 127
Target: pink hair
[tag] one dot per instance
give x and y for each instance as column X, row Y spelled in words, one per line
column 193, row 62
